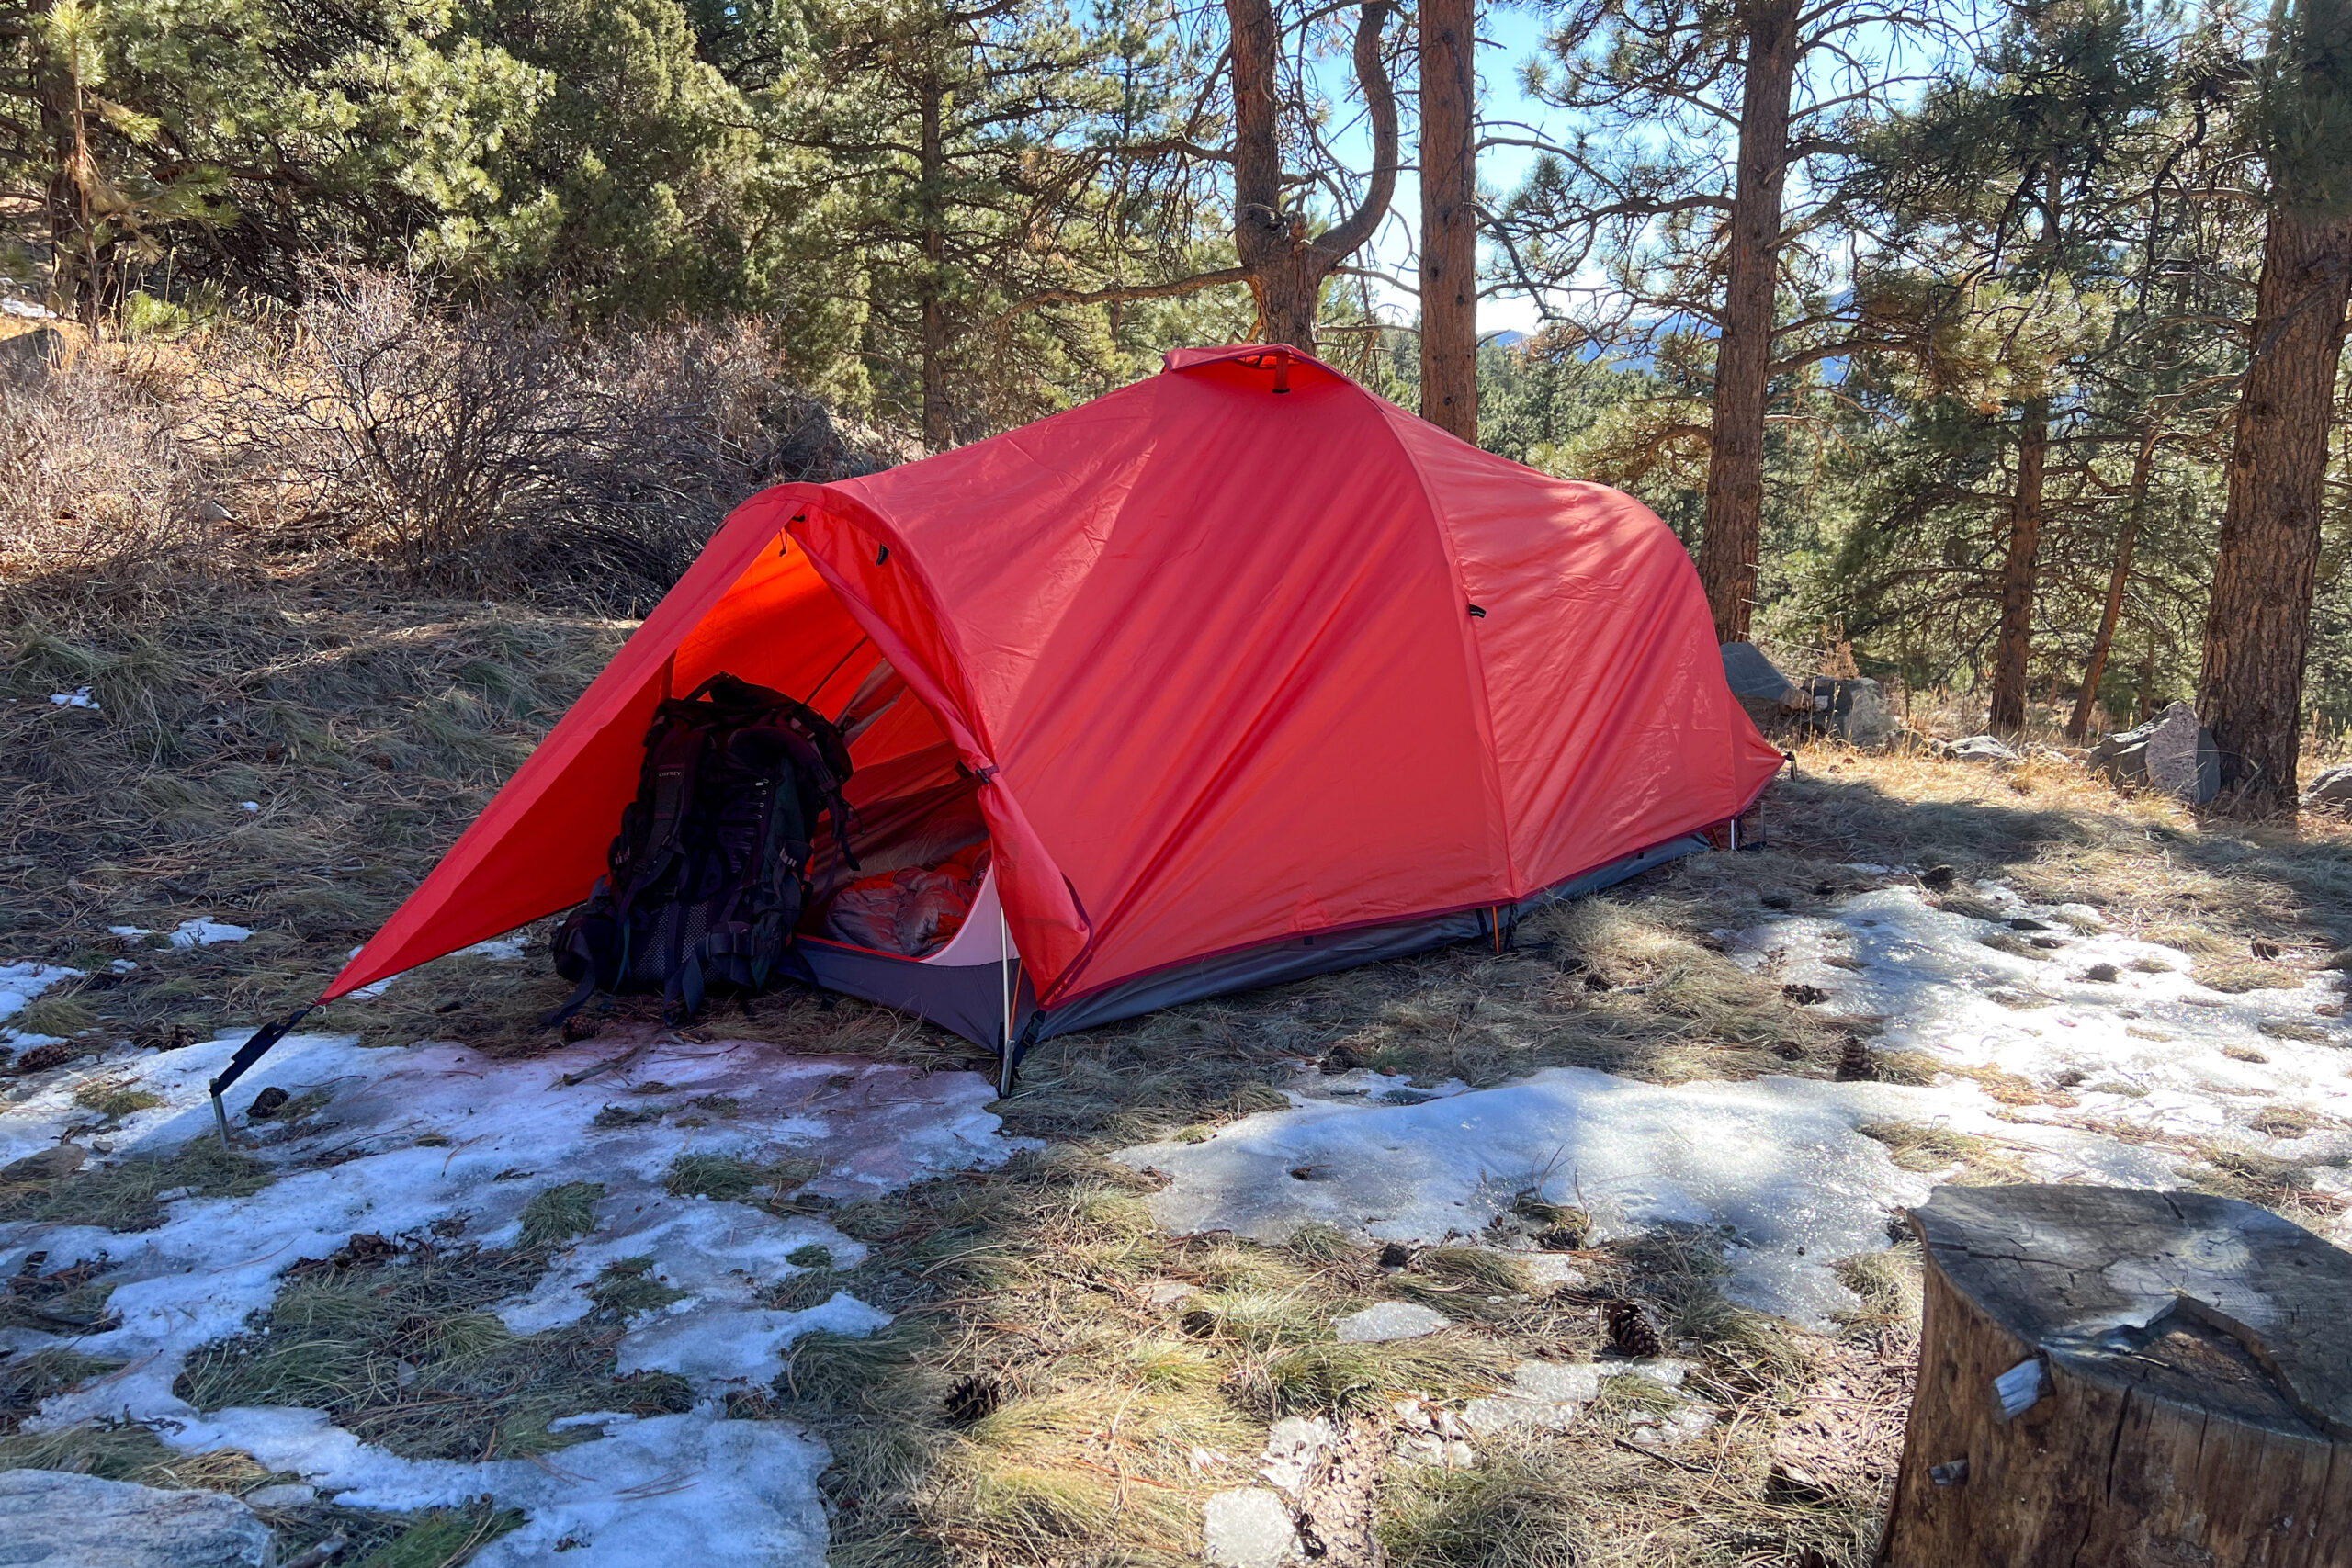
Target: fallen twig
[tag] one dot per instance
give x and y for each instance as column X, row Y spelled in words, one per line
column 623, row 1060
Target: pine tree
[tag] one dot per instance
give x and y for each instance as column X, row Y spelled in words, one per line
column 2257, row 629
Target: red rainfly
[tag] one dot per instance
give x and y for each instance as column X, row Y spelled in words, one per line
column 1237, row 655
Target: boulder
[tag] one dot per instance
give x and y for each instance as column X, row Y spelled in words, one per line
column 2172, row 754
column 28, row 358
column 1769, row 696
column 2330, row 791
column 51, row 1520
column 1854, row 710
column 1980, row 749
column 1851, row 710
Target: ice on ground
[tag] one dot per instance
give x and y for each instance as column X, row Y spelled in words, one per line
column 205, row 932
column 79, row 697
column 1549, row 1396
column 716, row 1344
column 20, row 983
column 440, row 1136
column 1250, row 1527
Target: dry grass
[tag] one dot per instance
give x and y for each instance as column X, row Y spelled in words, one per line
column 1114, row 1409
column 124, row 1196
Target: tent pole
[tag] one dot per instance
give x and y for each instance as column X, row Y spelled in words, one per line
column 1004, row 977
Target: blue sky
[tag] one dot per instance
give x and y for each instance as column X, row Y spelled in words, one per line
column 1511, row 35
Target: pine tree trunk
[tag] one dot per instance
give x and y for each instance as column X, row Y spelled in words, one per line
column 1284, row 264
column 1288, row 288
column 1733, row 527
column 1449, row 217
column 2010, row 657
column 2111, row 614
column 2257, row 627
column 938, row 418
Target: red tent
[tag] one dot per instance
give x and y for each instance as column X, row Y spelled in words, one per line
column 1243, row 672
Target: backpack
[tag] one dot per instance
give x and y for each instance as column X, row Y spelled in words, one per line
column 709, row 872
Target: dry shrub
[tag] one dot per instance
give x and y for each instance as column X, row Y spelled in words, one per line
column 488, row 450
column 493, row 451
column 95, row 481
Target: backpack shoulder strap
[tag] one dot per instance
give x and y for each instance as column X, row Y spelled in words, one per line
column 673, row 757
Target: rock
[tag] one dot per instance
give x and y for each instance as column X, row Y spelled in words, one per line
column 1168, row 1292
column 2182, row 759
column 1249, row 1526
column 1853, row 710
column 2171, row 753
column 2330, row 791
column 47, row 1165
column 1979, row 749
column 28, row 358
column 1295, row 1447
column 1769, row 697
column 48, row 1519
column 1384, row 1321
column 290, row 1495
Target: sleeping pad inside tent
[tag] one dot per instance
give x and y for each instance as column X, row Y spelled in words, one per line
column 1238, row 674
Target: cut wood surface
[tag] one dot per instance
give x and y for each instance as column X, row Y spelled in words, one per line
column 2174, row 1385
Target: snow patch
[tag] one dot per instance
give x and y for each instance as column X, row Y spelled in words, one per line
column 1775, row 1166
column 692, row 1488
column 2143, row 1046
column 206, row 931
column 20, row 983
column 439, row 1133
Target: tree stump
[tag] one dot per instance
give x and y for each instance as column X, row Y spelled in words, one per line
column 2113, row 1379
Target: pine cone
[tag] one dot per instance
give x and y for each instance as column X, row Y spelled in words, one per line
column 1630, row 1333
column 973, row 1399
column 1855, row 1063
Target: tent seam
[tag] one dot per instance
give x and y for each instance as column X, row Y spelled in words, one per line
column 1475, row 662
